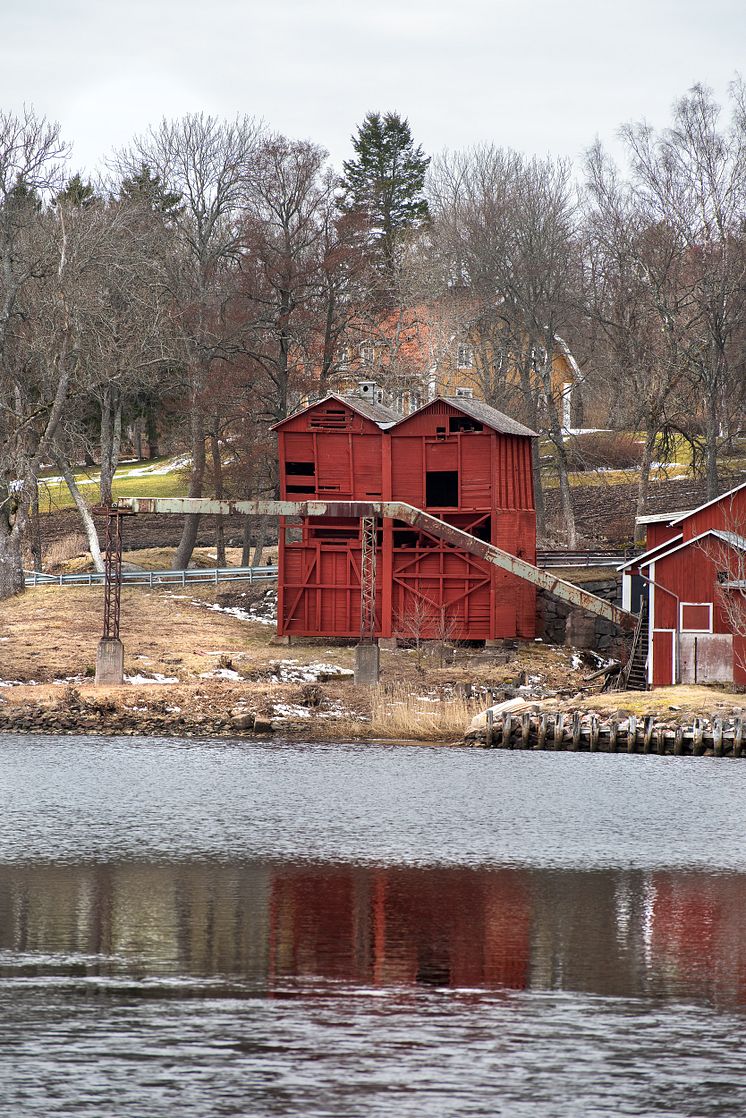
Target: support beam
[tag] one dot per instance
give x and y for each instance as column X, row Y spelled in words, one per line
column 396, row 510
column 110, row 651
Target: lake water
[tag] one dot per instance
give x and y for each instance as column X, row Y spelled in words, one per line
column 196, row 928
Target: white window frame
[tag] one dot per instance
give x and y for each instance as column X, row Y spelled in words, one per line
column 681, row 617
column 367, row 353
column 464, row 351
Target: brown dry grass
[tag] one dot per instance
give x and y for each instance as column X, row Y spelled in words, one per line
column 397, row 713
column 60, row 553
column 51, row 632
column 671, row 702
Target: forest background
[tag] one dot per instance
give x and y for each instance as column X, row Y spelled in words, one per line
column 217, row 274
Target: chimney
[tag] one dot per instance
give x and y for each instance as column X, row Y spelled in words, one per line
column 369, row 390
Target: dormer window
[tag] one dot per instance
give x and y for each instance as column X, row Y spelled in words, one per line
column 367, row 353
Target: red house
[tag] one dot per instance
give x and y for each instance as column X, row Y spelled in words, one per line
column 458, row 459
column 693, row 579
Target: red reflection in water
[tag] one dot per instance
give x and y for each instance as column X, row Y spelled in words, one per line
column 403, row 927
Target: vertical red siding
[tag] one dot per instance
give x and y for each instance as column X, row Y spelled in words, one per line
column 419, row 577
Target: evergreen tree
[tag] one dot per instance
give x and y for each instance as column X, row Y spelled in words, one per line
column 149, row 190
column 385, row 182
column 77, row 192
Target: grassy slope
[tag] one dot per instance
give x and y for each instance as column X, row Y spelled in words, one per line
column 129, row 481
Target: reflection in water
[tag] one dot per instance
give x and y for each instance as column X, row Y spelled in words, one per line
column 620, row 933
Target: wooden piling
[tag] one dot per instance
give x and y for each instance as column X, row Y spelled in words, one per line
column 594, row 734
column 576, row 729
column 738, row 738
column 525, row 730
column 489, row 732
column 660, row 740
column 613, row 733
column 559, row 731
column 647, row 735
column 698, row 733
column 632, row 734
column 717, row 737
column 678, row 741
column 541, row 734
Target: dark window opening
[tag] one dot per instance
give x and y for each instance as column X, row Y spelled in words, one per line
column 329, row 488
column 301, row 488
column 340, row 534
column 300, row 469
column 483, row 530
column 440, row 434
column 441, row 489
column 463, row 423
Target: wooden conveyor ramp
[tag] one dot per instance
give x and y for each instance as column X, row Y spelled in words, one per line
column 395, row 510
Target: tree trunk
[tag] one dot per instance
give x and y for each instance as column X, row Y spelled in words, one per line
column 151, row 432
column 541, row 519
column 84, row 511
column 11, row 566
column 246, row 543
column 644, row 483
column 196, row 485
column 260, row 539
column 111, row 440
column 36, row 549
column 711, row 448
column 137, row 438
column 217, row 469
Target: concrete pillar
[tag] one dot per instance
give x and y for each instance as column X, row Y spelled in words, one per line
column 110, row 662
column 367, row 664
column 285, row 641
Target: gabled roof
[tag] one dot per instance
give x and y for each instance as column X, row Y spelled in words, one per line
column 639, row 560
column 379, row 414
column 730, row 538
column 483, row 413
column 386, row 418
column 707, row 504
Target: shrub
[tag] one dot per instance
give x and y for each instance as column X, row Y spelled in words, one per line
column 604, row 450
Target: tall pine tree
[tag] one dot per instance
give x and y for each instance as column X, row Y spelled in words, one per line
column 385, row 183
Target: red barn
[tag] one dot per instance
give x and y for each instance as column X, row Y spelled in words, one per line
column 695, row 585
column 456, row 458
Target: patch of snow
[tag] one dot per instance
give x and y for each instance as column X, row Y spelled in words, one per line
column 138, row 680
column 292, row 671
column 576, row 661
column 221, row 673
column 289, row 711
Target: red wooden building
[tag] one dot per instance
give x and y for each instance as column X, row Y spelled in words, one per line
column 693, row 578
column 456, row 458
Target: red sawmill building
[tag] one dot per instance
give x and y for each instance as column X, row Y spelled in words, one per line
column 456, row 458
column 692, row 579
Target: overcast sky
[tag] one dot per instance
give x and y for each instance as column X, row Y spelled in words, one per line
column 538, row 75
